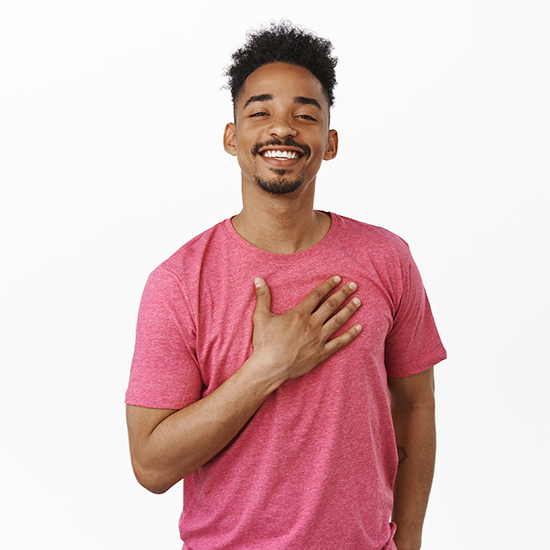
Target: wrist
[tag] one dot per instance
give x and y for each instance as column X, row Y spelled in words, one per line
column 260, row 374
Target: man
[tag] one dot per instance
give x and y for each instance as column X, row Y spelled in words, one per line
column 283, row 403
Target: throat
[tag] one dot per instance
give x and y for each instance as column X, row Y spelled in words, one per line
column 280, row 236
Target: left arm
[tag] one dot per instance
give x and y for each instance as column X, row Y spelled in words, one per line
column 413, row 413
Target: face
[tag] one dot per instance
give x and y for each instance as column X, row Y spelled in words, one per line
column 281, row 135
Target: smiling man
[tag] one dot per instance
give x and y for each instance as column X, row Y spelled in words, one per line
column 283, row 159
column 284, row 358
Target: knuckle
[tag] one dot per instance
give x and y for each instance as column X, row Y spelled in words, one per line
column 346, row 292
column 300, row 315
column 337, row 321
column 342, row 341
column 337, row 345
column 317, row 294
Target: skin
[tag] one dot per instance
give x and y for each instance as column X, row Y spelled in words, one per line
column 284, row 104
column 286, row 223
column 413, row 413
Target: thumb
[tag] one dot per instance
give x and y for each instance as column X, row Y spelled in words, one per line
column 263, row 296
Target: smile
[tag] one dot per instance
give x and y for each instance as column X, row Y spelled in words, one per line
column 277, row 150
column 275, row 154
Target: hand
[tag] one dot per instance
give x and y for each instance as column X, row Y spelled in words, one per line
column 297, row 341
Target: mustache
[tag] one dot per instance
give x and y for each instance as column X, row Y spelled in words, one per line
column 288, row 142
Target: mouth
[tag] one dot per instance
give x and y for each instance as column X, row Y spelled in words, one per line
column 281, row 155
column 281, row 159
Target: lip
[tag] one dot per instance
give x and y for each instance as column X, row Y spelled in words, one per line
column 281, row 148
column 281, row 163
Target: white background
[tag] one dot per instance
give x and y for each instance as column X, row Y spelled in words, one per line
column 111, row 118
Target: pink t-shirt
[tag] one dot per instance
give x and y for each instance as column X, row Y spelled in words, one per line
column 314, row 467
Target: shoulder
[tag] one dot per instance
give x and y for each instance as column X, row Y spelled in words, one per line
column 182, row 270
column 374, row 239
column 193, row 252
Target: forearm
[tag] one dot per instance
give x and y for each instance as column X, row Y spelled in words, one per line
column 167, row 445
column 416, row 440
column 190, row 437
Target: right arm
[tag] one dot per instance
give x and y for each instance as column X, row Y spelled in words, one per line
column 166, row 445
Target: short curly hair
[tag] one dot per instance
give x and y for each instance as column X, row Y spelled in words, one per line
column 285, row 43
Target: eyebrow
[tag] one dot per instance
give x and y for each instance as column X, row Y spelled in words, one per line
column 260, row 98
column 298, row 99
column 307, row 101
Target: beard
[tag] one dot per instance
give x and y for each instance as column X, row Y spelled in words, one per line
column 280, row 185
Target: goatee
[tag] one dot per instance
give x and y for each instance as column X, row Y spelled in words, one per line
column 280, row 185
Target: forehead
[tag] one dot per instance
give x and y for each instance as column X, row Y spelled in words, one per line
column 281, row 80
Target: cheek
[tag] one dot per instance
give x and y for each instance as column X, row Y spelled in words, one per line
column 243, row 149
column 319, row 149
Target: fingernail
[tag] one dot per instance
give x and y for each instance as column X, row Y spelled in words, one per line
column 257, row 282
column 353, row 286
column 337, row 279
column 356, row 301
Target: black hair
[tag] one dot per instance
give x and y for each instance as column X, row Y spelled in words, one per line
column 285, row 43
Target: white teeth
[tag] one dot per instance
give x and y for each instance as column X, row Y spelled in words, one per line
column 280, row 154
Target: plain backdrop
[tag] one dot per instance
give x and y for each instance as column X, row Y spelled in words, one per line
column 111, row 158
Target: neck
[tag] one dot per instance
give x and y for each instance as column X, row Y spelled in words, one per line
column 283, row 224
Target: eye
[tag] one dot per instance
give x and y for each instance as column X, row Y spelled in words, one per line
column 306, row 117
column 259, row 114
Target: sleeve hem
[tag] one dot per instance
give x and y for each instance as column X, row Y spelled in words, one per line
column 411, row 370
column 150, row 403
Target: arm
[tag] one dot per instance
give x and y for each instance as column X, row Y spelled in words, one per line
column 413, row 413
column 167, row 445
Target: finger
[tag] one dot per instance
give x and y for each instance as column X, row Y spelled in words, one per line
column 331, row 305
column 336, row 344
column 320, row 293
column 263, row 296
column 338, row 320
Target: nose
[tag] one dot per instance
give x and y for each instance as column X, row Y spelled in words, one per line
column 282, row 126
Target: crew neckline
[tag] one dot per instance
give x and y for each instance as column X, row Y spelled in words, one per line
column 274, row 256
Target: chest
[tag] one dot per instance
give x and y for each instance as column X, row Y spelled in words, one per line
column 225, row 303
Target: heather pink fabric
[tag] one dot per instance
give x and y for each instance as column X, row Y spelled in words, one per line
column 314, row 468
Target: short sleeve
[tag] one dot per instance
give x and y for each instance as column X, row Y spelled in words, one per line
column 164, row 371
column 413, row 344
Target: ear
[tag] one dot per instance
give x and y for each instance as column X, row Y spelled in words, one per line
column 230, row 139
column 332, row 145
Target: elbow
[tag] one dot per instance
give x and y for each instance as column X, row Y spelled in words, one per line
column 153, row 487
column 156, row 490
column 153, row 480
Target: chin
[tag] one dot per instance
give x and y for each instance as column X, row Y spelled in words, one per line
column 279, row 186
